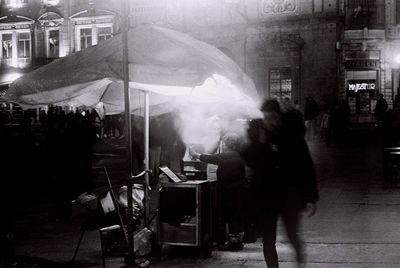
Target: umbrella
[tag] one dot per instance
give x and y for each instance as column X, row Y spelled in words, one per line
column 169, row 64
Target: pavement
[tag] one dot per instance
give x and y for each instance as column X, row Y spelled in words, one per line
column 356, row 225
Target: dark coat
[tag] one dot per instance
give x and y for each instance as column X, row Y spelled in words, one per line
column 230, row 171
column 284, row 177
column 230, row 183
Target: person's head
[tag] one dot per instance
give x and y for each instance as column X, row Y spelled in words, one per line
column 381, row 96
column 286, row 100
column 231, row 141
column 287, row 104
column 271, row 105
column 272, row 113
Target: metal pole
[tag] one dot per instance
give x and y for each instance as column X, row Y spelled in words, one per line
column 128, row 129
column 146, row 156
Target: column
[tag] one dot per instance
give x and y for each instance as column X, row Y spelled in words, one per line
column 1, row 49
column 94, row 35
column 14, row 61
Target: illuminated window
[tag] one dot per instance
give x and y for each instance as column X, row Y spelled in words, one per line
column 53, row 44
column 86, row 38
column 16, row 3
column 24, row 45
column 51, row 2
column 280, row 83
column 104, row 33
column 7, row 46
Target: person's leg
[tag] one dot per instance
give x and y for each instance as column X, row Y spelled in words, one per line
column 290, row 220
column 232, row 209
column 269, row 239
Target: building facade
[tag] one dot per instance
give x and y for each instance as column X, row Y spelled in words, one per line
column 331, row 50
column 34, row 32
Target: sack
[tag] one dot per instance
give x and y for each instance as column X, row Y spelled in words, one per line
column 137, row 199
column 142, row 243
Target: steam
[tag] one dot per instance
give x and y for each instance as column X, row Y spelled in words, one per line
column 198, row 125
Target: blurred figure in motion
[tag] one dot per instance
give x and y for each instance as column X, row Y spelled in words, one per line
column 286, row 179
column 310, row 117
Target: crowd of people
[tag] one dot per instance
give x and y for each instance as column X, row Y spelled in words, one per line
column 68, row 140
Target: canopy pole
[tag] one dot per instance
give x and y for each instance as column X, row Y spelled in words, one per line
column 128, row 130
column 146, row 156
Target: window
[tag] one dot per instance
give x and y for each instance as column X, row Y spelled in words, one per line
column 86, row 38
column 364, row 13
column 7, row 46
column 51, row 2
column 280, row 83
column 16, row 3
column 53, row 44
column 24, row 45
column 104, row 33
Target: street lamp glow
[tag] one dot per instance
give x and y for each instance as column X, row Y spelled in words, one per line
column 397, row 59
column 11, row 77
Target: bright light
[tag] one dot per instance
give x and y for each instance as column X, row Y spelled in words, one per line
column 15, row 3
column 397, row 59
column 11, row 77
column 51, row 2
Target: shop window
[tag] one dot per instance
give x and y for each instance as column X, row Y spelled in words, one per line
column 7, row 46
column 24, row 45
column 53, row 44
column 86, row 38
column 362, row 87
column 364, row 13
column 280, row 83
column 104, row 33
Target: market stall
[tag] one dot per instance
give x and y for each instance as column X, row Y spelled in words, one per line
column 168, row 71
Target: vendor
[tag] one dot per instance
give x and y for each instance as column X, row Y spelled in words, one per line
column 230, row 183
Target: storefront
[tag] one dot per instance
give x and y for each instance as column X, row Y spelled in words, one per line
column 362, row 78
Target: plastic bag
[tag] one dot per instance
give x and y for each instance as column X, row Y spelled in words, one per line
column 137, row 199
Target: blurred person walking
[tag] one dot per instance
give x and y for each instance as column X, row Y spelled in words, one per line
column 310, row 117
column 380, row 110
column 287, row 183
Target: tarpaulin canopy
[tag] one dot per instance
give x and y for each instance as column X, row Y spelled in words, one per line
column 175, row 68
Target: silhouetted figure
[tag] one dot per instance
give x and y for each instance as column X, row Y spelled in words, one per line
column 293, row 117
column 310, row 117
column 325, row 126
column 230, row 185
column 380, row 110
column 253, row 151
column 340, row 121
column 288, row 180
